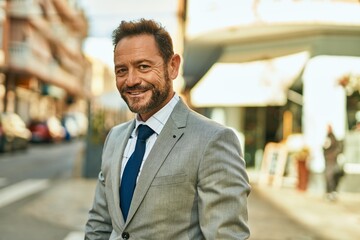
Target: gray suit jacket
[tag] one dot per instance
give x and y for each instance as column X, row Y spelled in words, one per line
column 193, row 184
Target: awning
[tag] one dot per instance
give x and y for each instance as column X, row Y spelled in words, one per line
column 259, row 83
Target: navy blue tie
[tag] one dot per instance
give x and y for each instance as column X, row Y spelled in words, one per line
column 131, row 171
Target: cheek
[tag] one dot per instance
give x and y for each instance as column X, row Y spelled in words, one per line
column 119, row 83
column 159, row 81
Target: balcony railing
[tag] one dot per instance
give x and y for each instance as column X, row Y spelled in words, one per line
column 24, row 8
column 23, row 58
column 53, row 29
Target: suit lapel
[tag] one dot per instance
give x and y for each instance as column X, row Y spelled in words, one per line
column 170, row 134
column 122, row 140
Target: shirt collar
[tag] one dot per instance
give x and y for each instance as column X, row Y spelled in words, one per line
column 157, row 121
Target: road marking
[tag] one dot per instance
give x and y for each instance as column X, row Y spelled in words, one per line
column 22, row 189
column 75, row 236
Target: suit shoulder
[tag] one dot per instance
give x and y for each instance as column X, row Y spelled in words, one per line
column 205, row 124
column 120, row 127
column 116, row 130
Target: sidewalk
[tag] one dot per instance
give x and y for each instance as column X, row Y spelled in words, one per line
column 339, row 220
column 68, row 203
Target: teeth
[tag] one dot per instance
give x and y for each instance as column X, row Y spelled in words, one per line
column 135, row 93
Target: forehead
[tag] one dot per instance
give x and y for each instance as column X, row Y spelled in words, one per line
column 143, row 44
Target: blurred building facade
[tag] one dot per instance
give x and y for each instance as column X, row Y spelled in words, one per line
column 44, row 72
column 271, row 69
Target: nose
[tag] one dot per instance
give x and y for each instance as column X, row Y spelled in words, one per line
column 133, row 78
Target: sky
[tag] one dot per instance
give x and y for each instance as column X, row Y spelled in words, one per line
column 104, row 16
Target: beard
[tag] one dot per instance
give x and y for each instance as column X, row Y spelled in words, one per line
column 158, row 96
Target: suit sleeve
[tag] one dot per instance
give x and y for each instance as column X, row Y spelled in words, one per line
column 223, row 188
column 99, row 226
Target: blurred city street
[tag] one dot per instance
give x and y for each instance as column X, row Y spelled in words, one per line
column 58, row 210
column 286, row 213
column 276, row 72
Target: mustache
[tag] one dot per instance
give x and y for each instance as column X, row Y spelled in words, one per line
column 135, row 88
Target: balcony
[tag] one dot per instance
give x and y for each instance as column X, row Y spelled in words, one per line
column 47, row 23
column 73, row 16
column 24, row 8
column 24, row 59
column 59, row 77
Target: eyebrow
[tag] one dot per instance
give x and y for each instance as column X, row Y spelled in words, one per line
column 136, row 62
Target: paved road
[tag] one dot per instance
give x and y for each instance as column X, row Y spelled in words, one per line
column 57, row 210
column 269, row 222
column 286, row 213
column 27, row 177
column 39, row 161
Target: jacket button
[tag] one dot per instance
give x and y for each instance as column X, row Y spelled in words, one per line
column 125, row 235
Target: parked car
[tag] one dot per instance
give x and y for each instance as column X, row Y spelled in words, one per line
column 39, row 131
column 13, row 132
column 49, row 130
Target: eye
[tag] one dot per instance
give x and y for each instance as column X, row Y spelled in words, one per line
column 121, row 71
column 144, row 67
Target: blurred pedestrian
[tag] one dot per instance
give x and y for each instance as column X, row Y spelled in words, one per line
column 333, row 171
column 192, row 182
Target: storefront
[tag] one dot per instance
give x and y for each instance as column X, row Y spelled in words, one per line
column 241, row 34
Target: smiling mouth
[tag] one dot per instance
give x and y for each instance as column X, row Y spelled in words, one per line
column 136, row 93
column 135, row 90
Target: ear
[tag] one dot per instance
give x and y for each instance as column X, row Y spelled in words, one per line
column 174, row 66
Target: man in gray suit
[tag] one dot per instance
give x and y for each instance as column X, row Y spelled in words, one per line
column 192, row 183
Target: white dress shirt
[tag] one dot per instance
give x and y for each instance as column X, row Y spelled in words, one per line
column 156, row 122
